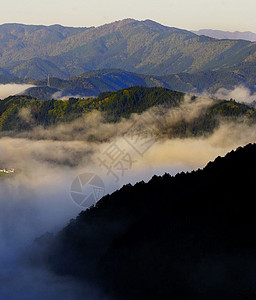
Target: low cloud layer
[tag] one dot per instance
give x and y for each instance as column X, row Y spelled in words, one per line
column 12, row 89
column 239, row 93
column 62, row 95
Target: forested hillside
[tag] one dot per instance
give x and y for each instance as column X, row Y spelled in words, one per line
column 185, row 237
column 29, row 51
column 20, row 113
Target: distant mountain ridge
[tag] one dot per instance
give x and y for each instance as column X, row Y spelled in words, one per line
column 219, row 34
column 94, row 82
column 29, row 51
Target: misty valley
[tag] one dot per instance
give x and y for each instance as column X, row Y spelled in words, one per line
column 127, row 163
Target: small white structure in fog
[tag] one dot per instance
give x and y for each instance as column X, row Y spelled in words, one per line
column 7, row 171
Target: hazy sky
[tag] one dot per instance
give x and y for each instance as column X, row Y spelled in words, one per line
column 189, row 14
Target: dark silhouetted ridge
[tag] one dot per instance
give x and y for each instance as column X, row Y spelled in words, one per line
column 191, row 236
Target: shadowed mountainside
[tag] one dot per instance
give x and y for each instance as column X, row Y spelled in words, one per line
column 185, row 237
column 95, row 82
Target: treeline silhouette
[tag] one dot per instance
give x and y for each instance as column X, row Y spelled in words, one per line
column 191, row 236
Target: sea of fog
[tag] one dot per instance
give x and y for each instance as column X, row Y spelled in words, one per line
column 37, row 198
column 12, row 89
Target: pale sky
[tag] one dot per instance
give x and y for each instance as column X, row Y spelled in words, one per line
column 188, row 14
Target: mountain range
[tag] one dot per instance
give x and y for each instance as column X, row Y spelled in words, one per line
column 92, row 83
column 146, row 47
column 188, row 236
column 219, row 34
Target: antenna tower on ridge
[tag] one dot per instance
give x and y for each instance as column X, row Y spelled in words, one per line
column 48, row 82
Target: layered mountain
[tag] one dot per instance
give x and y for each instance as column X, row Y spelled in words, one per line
column 29, row 51
column 88, row 84
column 222, row 35
column 6, row 77
column 94, row 82
column 185, row 237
